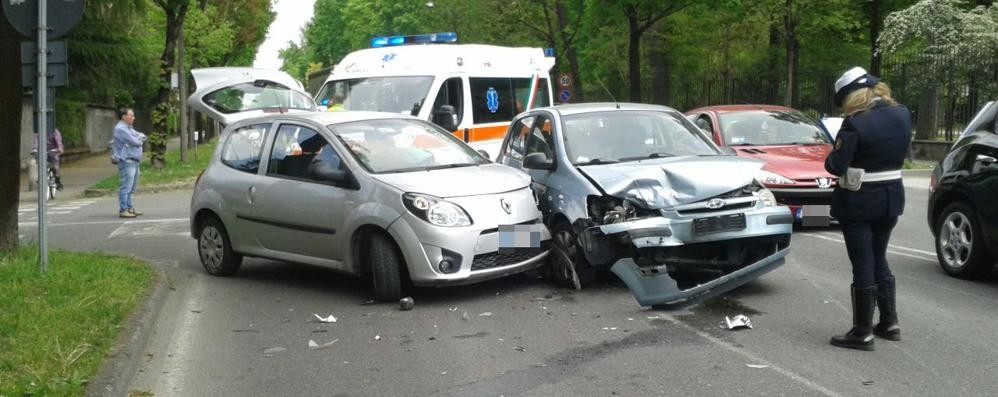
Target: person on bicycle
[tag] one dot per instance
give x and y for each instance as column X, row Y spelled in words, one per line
column 55, row 149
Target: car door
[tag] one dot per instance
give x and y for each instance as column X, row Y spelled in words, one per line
column 533, row 134
column 236, row 179
column 295, row 212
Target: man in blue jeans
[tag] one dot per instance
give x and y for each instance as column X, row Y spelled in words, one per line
column 127, row 151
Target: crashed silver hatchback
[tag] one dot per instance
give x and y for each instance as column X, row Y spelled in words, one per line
column 639, row 189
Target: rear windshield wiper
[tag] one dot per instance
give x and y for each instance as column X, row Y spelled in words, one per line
column 648, row 156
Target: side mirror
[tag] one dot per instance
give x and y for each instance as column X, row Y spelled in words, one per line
column 537, row 161
column 484, row 153
column 445, row 117
column 323, row 171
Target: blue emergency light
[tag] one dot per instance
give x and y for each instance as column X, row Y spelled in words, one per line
column 391, row 41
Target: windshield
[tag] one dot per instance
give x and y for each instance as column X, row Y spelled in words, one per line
column 770, row 128
column 394, row 145
column 612, row 136
column 256, row 96
column 403, row 94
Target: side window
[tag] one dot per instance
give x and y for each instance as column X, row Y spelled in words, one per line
column 243, row 149
column 519, row 132
column 295, row 149
column 540, row 140
column 451, row 93
column 491, row 100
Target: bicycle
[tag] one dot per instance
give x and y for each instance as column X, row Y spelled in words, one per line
column 54, row 184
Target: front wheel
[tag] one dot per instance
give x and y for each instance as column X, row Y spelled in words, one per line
column 385, row 268
column 960, row 245
column 215, row 249
column 569, row 266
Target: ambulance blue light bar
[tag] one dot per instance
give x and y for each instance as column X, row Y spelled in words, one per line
column 391, row 41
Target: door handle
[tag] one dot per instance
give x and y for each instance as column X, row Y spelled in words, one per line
column 251, row 194
column 983, row 158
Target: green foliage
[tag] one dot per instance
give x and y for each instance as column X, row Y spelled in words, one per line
column 56, row 328
column 70, row 119
column 208, row 39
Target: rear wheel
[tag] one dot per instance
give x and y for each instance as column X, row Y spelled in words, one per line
column 569, row 266
column 385, row 269
column 960, row 245
column 215, row 249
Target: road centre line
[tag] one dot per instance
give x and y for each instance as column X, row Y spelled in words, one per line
column 933, row 260
column 167, row 220
column 752, row 357
column 929, row 253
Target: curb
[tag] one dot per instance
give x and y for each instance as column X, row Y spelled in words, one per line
column 93, row 192
column 123, row 361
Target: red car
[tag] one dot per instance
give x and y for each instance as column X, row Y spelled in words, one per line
column 792, row 145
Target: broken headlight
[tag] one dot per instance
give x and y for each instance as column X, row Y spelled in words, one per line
column 765, row 195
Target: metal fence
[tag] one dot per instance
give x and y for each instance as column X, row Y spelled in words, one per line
column 953, row 88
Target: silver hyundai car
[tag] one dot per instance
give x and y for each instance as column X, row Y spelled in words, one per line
column 381, row 195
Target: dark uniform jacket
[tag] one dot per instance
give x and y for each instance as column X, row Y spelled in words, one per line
column 874, row 140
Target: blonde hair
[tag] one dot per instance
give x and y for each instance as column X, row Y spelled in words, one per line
column 863, row 99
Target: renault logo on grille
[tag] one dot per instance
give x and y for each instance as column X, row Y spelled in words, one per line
column 715, row 203
column 506, row 206
column 824, row 182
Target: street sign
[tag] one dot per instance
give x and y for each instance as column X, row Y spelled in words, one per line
column 58, row 75
column 565, row 95
column 63, row 15
column 56, row 51
column 565, row 80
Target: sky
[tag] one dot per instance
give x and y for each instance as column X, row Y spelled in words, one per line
column 291, row 16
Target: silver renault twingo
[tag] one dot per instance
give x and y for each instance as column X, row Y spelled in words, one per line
column 382, row 195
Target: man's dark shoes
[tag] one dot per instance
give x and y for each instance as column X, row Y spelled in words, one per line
column 888, row 327
column 860, row 337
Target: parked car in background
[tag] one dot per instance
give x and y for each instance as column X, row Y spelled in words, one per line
column 962, row 209
column 792, row 145
column 381, row 195
column 639, row 190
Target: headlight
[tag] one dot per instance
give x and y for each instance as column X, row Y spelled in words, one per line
column 767, row 197
column 772, row 178
column 436, row 211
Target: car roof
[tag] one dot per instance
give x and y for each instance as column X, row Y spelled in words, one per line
column 578, row 108
column 741, row 108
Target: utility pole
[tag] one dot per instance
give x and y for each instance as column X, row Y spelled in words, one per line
column 182, row 76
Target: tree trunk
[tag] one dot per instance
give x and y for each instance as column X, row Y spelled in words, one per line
column 658, row 56
column 927, row 118
column 634, row 55
column 573, row 59
column 772, row 73
column 874, row 33
column 159, row 135
column 10, row 118
column 793, row 47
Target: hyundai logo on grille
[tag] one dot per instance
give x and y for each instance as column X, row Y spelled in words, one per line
column 506, row 206
column 715, row 203
column 824, row 182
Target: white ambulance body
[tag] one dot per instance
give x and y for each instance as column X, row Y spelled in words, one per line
column 473, row 90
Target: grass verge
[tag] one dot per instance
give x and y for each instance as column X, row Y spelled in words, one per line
column 56, row 329
column 174, row 172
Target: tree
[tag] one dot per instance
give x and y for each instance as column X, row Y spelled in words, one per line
column 557, row 23
column 175, row 12
column 10, row 167
column 641, row 15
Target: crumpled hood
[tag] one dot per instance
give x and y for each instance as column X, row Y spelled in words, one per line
column 664, row 183
column 458, row 182
column 794, row 162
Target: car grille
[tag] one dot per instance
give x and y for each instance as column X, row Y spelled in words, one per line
column 725, row 208
column 495, row 259
column 718, row 224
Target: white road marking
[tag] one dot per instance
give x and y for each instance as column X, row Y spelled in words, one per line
column 22, row 224
column 151, row 229
column 929, row 253
column 753, row 358
column 890, row 251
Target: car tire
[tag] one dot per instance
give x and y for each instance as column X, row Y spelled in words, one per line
column 385, row 269
column 568, row 266
column 215, row 249
column 960, row 245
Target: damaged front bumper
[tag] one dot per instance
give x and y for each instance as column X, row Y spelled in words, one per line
column 736, row 246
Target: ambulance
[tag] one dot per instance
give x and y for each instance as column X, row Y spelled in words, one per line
column 473, row 90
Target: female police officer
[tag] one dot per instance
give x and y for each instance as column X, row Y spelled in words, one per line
column 869, row 153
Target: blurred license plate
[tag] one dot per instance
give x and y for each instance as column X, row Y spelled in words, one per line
column 518, row 238
column 815, row 215
column 718, row 224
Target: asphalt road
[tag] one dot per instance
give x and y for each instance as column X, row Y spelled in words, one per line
column 248, row 335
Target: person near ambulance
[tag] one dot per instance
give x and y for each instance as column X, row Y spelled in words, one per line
column 868, row 156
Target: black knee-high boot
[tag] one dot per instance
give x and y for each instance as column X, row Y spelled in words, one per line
column 888, row 327
column 861, row 335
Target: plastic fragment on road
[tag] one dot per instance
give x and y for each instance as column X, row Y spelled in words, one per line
column 737, row 322
column 406, row 304
column 330, row 319
column 274, row 350
column 867, row 382
column 377, row 337
column 757, row 365
column 520, row 349
column 312, row 345
column 485, row 314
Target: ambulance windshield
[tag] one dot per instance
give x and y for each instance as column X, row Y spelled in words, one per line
column 398, row 94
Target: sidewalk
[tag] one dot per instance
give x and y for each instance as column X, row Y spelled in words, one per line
column 81, row 173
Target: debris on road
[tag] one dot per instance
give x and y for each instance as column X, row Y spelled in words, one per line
column 274, row 350
column 245, row 330
column 737, row 322
column 520, row 349
column 377, row 337
column 465, row 316
column 485, row 314
column 312, row 345
column 330, row 319
column 757, row 365
column 453, row 309
column 406, row 303
column 867, row 382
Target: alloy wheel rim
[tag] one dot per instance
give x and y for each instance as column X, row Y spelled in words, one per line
column 211, row 245
column 956, row 239
column 565, row 250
